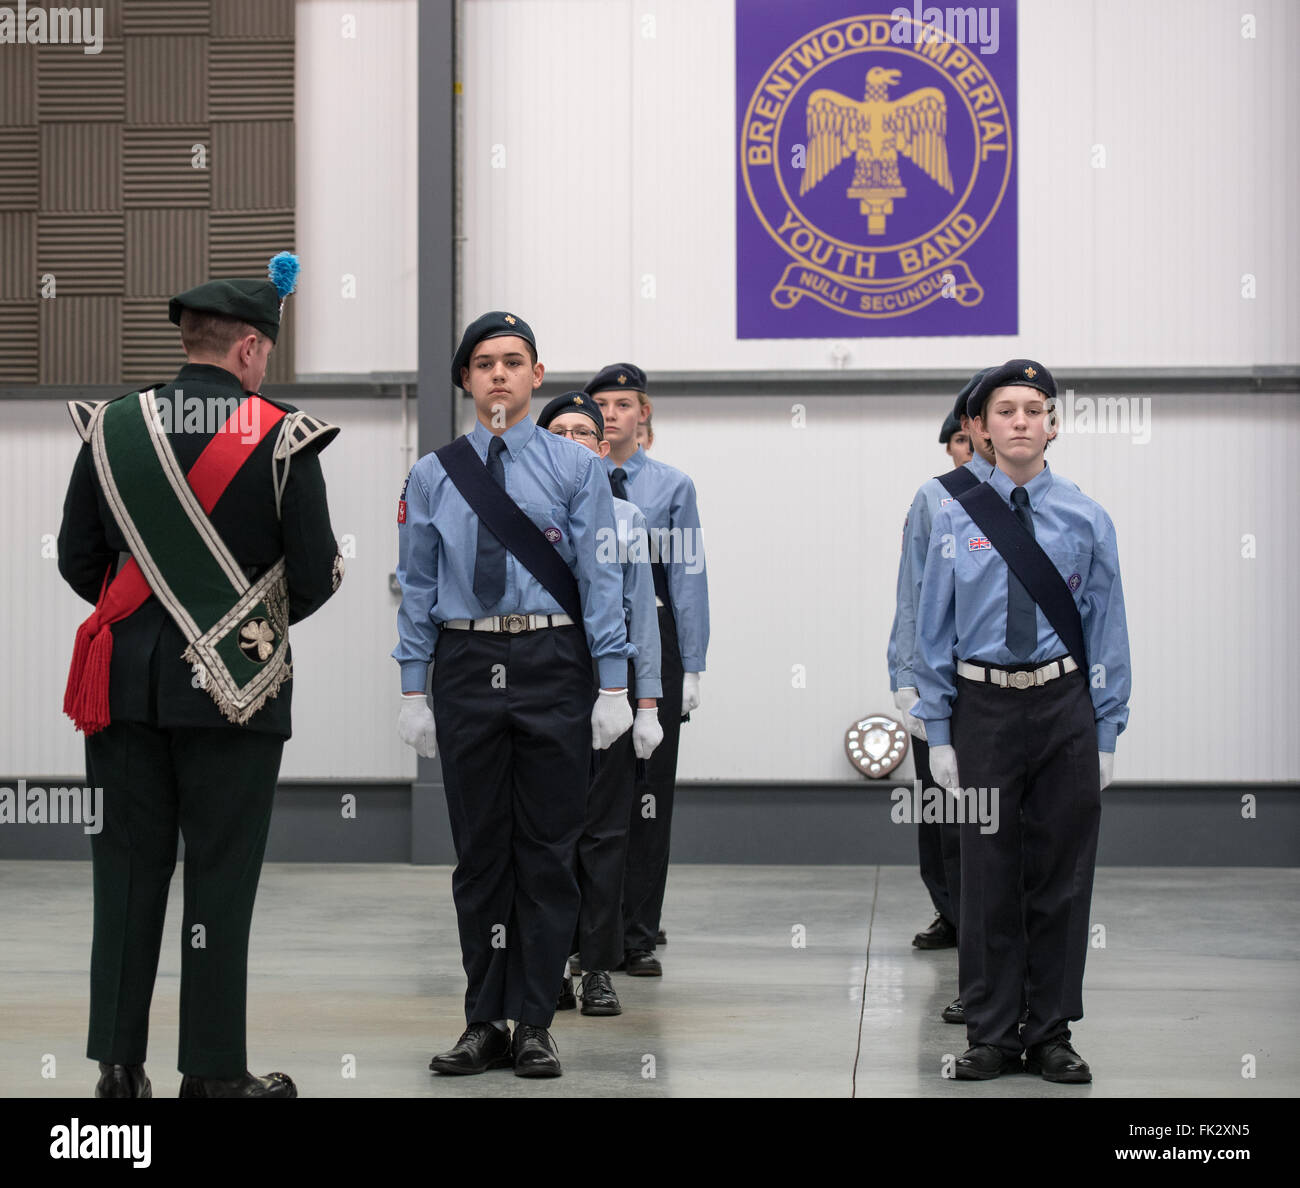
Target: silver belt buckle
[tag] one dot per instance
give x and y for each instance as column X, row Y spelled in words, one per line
column 1021, row 680
column 514, row 624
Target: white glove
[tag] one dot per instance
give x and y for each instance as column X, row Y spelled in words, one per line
column 611, row 716
column 690, row 692
column 943, row 767
column 415, row 725
column 646, row 732
column 904, row 699
column 1107, row 766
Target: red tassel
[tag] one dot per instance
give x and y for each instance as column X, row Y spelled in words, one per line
column 77, row 669
column 93, row 709
column 85, row 698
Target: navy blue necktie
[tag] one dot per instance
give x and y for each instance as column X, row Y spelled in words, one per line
column 1022, row 614
column 618, row 481
column 490, row 560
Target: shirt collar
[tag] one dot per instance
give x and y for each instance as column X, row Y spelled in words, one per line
column 980, row 467
column 516, row 437
column 1038, row 486
column 631, row 467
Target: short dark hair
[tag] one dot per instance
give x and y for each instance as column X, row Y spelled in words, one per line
column 212, row 334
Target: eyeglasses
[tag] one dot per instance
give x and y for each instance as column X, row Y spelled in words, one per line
column 580, row 434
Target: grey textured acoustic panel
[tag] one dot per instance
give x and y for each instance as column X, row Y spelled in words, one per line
column 250, row 19
column 18, row 338
column 166, row 166
column 130, row 174
column 237, row 184
column 151, row 347
column 81, row 167
column 166, row 80
column 17, row 255
column 18, row 85
column 76, row 86
column 20, row 156
column 81, row 340
column 166, row 16
column 250, row 81
column 166, row 250
column 82, row 252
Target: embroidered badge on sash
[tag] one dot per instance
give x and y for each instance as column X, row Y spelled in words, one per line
column 978, row 542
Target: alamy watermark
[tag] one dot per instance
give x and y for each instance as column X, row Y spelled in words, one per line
column 26, row 24
column 1121, row 415
column 669, row 546
column 209, row 414
column 939, row 806
column 967, row 26
column 35, row 805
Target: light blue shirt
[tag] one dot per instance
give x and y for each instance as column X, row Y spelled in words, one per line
column 911, row 568
column 558, row 484
column 666, row 498
column 639, row 598
column 963, row 609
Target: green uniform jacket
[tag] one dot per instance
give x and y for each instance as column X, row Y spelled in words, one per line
column 149, row 682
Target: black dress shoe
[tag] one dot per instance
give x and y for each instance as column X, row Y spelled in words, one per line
column 641, row 963
column 1059, row 1062
column 122, row 1080
column 275, row 1084
column 954, row 1012
column 940, row 935
column 598, row 997
column 534, row 1052
column 481, row 1047
column 661, row 938
column 566, row 1001
column 983, row 1062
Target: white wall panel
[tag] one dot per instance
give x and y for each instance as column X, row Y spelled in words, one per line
column 357, row 157
column 802, row 531
column 630, row 172
column 344, row 711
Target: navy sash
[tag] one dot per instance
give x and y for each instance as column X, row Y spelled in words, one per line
column 958, row 481
column 506, row 520
column 1025, row 558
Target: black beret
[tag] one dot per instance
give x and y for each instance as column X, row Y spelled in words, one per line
column 950, row 426
column 959, row 408
column 495, row 324
column 256, row 302
column 627, row 376
column 1014, row 371
column 579, row 402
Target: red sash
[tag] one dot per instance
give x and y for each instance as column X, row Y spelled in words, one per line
column 85, row 700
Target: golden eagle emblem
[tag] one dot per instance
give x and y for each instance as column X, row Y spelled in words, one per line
column 877, row 129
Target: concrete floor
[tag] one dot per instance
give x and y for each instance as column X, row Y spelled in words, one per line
column 1199, row 971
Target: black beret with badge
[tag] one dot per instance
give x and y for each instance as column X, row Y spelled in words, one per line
column 255, row 302
column 626, row 376
column 959, row 408
column 579, row 402
column 495, row 324
column 1022, row 372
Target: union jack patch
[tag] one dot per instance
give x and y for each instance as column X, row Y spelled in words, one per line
column 944, row 502
column 978, row 542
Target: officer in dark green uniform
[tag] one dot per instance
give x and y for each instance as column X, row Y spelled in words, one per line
column 196, row 520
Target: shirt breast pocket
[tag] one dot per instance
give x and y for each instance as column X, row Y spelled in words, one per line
column 1073, row 568
column 553, row 521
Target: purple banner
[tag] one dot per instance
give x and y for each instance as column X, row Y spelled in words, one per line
column 876, row 170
